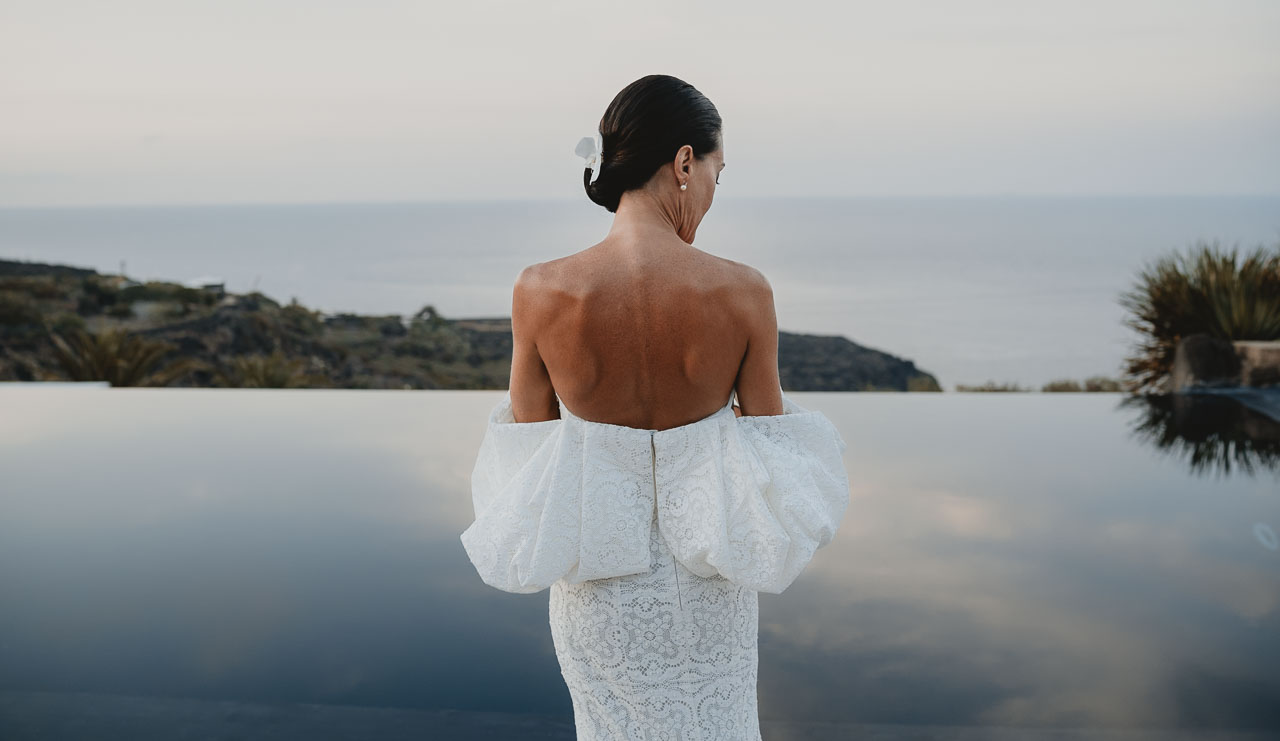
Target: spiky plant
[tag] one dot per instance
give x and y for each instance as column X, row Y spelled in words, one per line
column 1204, row 291
column 117, row 356
column 267, row 371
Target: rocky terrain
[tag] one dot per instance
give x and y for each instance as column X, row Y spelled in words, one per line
column 54, row 320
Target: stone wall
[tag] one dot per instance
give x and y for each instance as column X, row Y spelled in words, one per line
column 1205, row 361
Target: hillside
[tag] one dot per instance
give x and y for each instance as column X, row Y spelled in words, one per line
column 242, row 339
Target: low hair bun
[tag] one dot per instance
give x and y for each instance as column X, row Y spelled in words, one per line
column 644, row 126
column 601, row 192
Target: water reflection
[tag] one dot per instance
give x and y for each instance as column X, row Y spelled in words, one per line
column 1212, row 432
column 1007, row 559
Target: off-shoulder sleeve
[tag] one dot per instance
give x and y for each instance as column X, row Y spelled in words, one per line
column 503, row 540
column 555, row 501
column 750, row 498
column 757, row 501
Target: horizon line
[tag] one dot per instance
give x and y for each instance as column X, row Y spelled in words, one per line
column 585, row 201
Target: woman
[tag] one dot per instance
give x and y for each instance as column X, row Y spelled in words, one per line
column 617, row 472
column 667, row 329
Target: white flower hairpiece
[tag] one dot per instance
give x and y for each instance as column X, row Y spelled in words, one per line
column 591, row 149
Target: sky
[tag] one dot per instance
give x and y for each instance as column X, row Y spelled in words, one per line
column 140, row 102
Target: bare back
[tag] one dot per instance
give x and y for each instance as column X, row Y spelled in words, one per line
column 651, row 340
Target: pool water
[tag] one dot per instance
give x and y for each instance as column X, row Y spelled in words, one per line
column 288, row 560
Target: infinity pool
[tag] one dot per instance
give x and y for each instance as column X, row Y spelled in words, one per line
column 286, row 564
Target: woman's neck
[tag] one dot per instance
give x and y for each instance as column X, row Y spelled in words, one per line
column 641, row 217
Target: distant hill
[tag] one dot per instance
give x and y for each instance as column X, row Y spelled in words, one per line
column 220, row 330
column 806, row 362
column 811, row 362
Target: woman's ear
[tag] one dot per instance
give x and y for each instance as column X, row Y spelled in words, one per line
column 683, row 160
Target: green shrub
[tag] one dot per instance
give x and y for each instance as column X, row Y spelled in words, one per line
column 16, row 309
column 36, row 286
column 276, row 370
column 1102, row 383
column 1204, row 291
column 301, row 319
column 118, row 357
column 155, row 290
column 102, row 292
column 1061, row 385
column 65, row 322
column 991, row 386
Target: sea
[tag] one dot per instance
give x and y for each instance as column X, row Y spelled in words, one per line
column 1012, row 290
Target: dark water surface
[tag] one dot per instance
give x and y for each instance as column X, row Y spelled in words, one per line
column 200, row 558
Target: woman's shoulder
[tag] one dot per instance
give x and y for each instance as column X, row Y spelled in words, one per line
column 743, row 286
column 586, row 272
column 747, row 274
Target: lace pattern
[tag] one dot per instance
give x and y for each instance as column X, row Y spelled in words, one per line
column 750, row 498
column 654, row 545
column 665, row 654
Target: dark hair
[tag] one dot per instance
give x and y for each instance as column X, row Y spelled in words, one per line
column 643, row 128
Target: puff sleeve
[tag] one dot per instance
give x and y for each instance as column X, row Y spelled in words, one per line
column 558, row 499
column 755, row 502
column 503, row 540
column 749, row 498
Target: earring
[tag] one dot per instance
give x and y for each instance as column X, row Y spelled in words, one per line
column 684, row 186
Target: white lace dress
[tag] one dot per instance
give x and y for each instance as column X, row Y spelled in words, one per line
column 654, row 545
